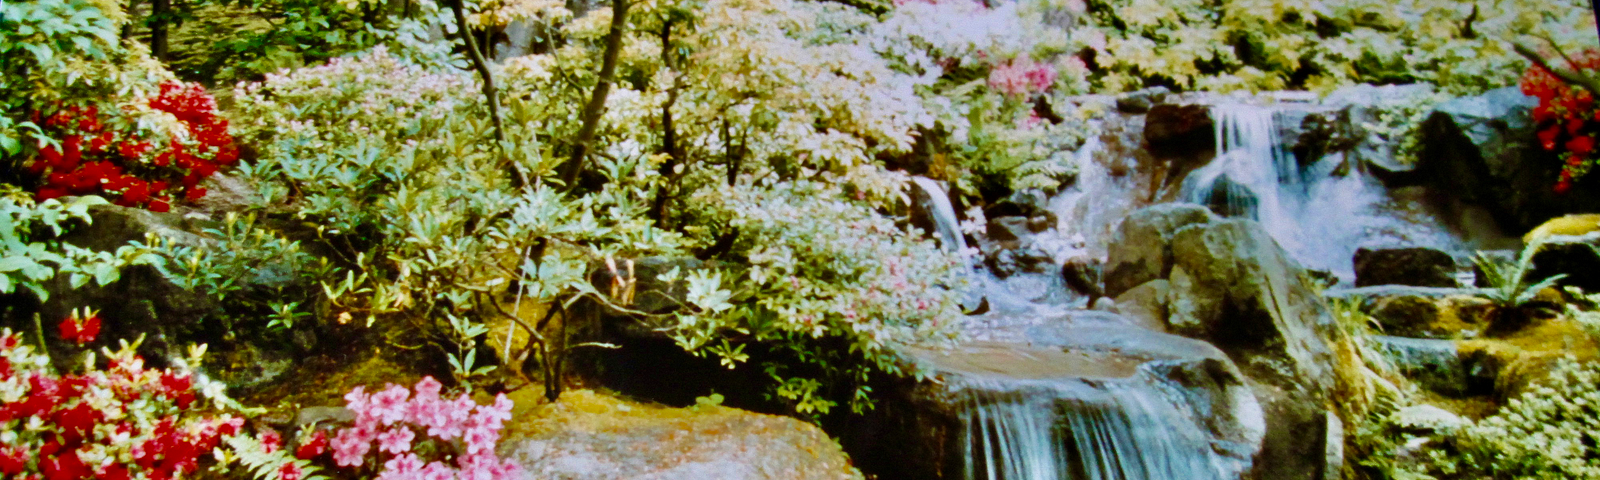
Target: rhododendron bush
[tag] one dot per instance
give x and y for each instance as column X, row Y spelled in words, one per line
column 1566, row 118
column 116, row 421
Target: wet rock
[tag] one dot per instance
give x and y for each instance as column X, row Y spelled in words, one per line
column 1083, row 276
column 1319, row 133
column 1574, row 256
column 1146, row 304
column 1361, row 104
column 1436, row 365
column 1179, row 130
column 1025, row 258
column 1140, row 101
column 583, row 438
column 1233, row 286
column 314, row 415
column 1232, row 199
column 1413, row 266
column 1007, row 229
column 1483, row 151
column 1139, row 250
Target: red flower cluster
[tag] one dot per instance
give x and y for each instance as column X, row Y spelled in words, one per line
column 93, row 159
column 1566, row 116
column 89, row 423
column 80, row 328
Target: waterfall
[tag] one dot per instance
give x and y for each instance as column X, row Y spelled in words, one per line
column 1078, row 429
column 936, row 201
column 1319, row 213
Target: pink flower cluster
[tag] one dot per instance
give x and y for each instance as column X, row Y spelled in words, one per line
column 1021, row 77
column 392, row 417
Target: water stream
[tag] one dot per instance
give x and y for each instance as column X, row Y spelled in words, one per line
column 1320, row 213
column 1081, row 429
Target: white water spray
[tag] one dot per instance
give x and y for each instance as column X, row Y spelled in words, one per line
column 945, row 222
column 1074, row 429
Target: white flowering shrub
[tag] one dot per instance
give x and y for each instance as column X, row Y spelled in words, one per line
column 775, row 133
column 820, row 268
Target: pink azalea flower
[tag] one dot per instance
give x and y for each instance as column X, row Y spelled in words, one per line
column 395, row 440
column 480, row 440
column 389, row 405
column 436, row 471
column 350, row 448
column 290, row 471
column 402, row 467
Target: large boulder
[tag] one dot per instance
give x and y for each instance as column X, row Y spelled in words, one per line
column 1483, row 151
column 1139, row 250
column 1413, row 266
column 1233, row 286
column 587, row 435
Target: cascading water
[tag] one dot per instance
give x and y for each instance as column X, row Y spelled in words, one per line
column 1081, row 429
column 1320, row 214
column 945, row 223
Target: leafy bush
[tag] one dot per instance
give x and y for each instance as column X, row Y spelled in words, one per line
column 1264, row 45
column 29, row 256
column 820, row 268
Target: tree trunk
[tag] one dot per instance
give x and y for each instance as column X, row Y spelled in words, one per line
column 160, row 13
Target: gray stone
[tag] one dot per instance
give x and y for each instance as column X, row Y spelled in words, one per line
column 1139, row 250
column 1140, row 101
column 1413, row 266
column 1234, row 286
column 604, row 440
column 1146, row 304
column 1007, row 229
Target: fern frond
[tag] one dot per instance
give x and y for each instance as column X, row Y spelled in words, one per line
column 264, row 465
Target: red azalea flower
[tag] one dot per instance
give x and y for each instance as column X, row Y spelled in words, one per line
column 1547, row 137
column 160, row 205
column 12, row 461
column 195, row 194
column 1581, row 145
column 114, row 472
column 290, row 471
column 80, row 330
column 313, row 447
column 271, row 441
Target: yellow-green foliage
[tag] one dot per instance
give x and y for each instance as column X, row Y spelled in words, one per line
column 1276, row 44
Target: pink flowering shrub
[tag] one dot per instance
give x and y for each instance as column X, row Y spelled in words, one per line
column 401, row 435
column 119, row 422
column 1019, row 77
